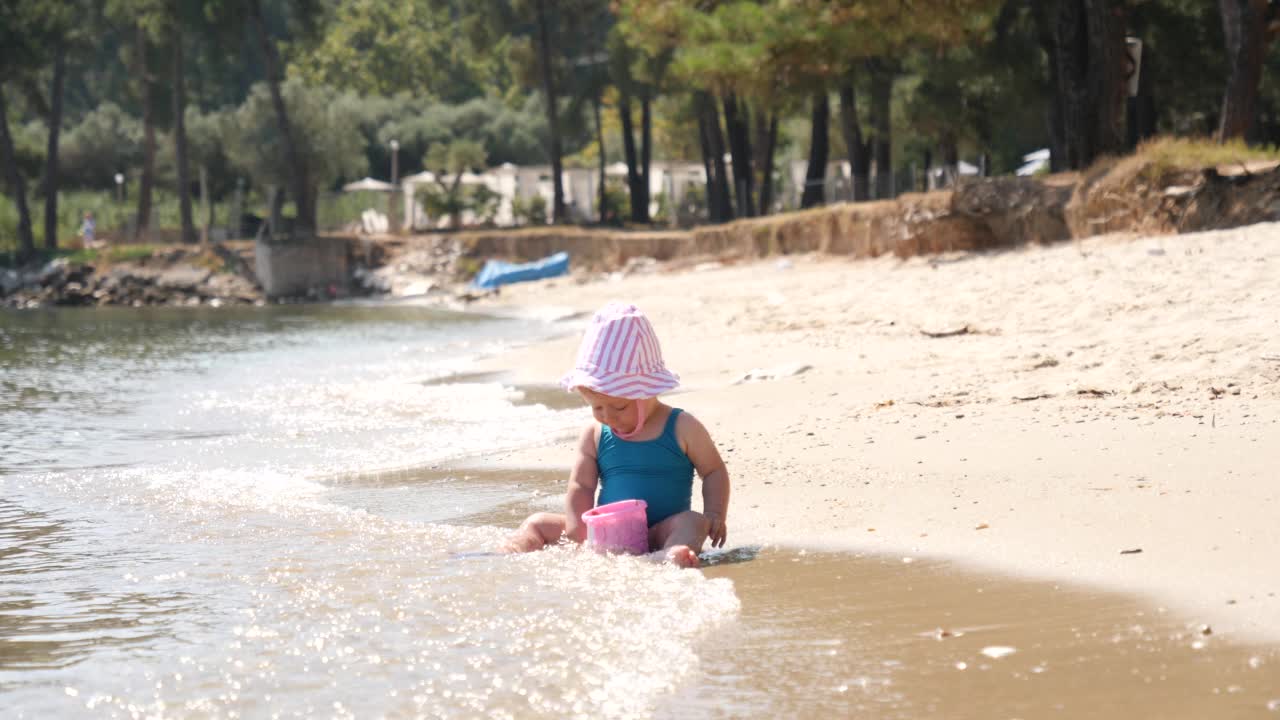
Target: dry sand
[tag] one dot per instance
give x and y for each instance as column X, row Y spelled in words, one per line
column 1086, row 401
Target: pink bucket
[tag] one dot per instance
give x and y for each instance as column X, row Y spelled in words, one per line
column 621, row 526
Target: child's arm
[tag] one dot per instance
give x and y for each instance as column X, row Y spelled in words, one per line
column 715, row 476
column 583, row 480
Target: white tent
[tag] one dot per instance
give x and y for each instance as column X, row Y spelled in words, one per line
column 369, row 184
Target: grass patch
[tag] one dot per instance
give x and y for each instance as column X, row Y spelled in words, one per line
column 1168, row 154
column 129, row 253
column 113, row 254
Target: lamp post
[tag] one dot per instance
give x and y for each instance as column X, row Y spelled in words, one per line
column 119, row 178
column 395, row 178
column 395, row 161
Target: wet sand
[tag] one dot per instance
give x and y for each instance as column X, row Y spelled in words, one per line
column 835, row 635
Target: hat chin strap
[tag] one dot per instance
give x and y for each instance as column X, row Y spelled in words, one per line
column 639, row 423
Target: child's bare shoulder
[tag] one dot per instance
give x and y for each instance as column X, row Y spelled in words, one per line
column 589, row 439
column 688, row 426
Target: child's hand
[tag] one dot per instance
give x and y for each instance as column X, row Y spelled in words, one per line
column 716, row 530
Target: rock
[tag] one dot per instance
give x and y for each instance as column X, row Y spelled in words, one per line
column 231, row 287
column 640, row 265
column 53, row 273
column 773, row 373
column 10, row 282
column 1016, row 210
column 182, row 277
column 419, row 287
column 81, row 273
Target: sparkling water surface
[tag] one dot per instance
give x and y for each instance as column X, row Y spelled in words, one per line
column 197, row 519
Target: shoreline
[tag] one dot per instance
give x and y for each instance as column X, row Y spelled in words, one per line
column 1040, row 412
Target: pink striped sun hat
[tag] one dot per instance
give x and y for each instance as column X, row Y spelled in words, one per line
column 620, row 356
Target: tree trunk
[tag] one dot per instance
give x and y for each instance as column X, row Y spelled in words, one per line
column 299, row 174
column 735, row 123
column 142, row 225
column 51, row 153
column 721, row 207
column 1055, row 111
column 205, row 205
column 716, row 135
column 180, row 140
column 629, row 152
column 766, row 140
column 1141, row 117
column 646, row 151
column 604, row 196
column 1087, row 52
column 1244, row 24
column 275, row 214
column 708, row 170
column 1070, row 49
column 859, row 149
column 882, row 127
column 950, row 151
column 553, row 120
column 1108, row 86
column 8, row 156
column 816, row 175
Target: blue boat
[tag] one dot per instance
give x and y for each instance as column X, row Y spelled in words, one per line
column 500, row 272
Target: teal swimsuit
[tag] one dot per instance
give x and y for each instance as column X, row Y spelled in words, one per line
column 656, row 471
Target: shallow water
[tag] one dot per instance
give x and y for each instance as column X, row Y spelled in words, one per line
column 252, row 513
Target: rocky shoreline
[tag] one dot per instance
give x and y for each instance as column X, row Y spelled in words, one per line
column 217, row 276
column 64, row 283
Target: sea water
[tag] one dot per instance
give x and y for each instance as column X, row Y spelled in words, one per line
column 259, row 513
column 234, row 513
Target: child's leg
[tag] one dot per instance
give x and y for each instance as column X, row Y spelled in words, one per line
column 680, row 537
column 535, row 533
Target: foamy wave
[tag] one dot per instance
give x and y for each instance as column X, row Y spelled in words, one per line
column 332, row 607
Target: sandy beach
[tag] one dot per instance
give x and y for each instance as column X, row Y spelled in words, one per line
column 1102, row 413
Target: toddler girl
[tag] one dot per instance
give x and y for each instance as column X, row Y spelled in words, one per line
column 638, row 448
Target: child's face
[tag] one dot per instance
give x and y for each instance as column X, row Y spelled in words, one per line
column 617, row 413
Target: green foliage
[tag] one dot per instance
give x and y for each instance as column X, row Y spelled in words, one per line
column 507, row 134
column 454, row 158
column 105, row 142
column 973, row 98
column 1183, row 56
column 449, row 196
column 692, row 207
column 457, row 201
column 337, row 210
column 113, row 253
column 758, row 49
column 29, row 30
column 436, row 75
column 324, row 122
column 386, row 47
column 110, row 217
column 531, row 210
column 617, row 198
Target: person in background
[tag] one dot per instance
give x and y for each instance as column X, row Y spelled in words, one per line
column 88, row 231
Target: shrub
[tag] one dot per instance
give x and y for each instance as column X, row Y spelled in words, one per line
column 531, row 210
